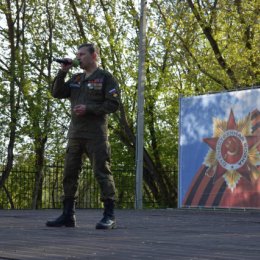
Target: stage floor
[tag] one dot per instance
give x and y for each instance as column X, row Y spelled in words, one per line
column 173, row 234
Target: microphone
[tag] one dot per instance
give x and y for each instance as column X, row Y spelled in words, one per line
column 75, row 63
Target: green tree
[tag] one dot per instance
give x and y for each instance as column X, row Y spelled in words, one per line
column 12, row 75
column 193, row 47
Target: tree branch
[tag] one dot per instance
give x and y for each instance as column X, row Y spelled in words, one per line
column 214, row 45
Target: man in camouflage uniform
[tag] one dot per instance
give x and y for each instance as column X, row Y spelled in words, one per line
column 93, row 95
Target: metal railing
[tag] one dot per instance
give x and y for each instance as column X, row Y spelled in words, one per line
column 18, row 188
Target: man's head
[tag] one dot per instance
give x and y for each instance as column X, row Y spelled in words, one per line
column 87, row 55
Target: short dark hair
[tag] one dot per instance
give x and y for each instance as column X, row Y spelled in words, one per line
column 91, row 47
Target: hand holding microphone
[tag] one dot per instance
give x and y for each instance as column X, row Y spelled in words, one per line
column 67, row 63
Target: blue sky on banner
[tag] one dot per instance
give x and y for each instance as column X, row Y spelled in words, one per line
column 196, row 123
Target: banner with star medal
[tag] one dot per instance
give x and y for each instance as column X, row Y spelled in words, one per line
column 219, row 150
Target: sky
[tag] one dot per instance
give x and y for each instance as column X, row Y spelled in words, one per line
column 196, row 123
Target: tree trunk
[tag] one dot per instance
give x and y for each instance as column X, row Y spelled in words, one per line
column 39, row 166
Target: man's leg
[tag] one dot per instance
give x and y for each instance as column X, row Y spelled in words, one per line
column 99, row 154
column 73, row 163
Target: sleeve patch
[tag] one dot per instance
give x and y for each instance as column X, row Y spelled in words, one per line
column 113, row 92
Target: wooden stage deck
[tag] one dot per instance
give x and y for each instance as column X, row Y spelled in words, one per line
column 174, row 234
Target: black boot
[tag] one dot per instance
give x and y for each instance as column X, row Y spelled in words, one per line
column 108, row 221
column 67, row 218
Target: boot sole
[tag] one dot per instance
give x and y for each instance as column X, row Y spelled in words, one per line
column 99, row 226
column 61, row 225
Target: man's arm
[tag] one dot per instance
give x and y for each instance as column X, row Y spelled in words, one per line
column 59, row 88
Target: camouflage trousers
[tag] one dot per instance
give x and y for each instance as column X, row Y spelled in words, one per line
column 98, row 152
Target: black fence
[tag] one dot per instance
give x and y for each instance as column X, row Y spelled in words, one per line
column 18, row 190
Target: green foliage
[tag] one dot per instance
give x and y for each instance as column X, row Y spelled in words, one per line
column 193, row 47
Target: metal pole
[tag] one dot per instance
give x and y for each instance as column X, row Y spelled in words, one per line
column 140, row 109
